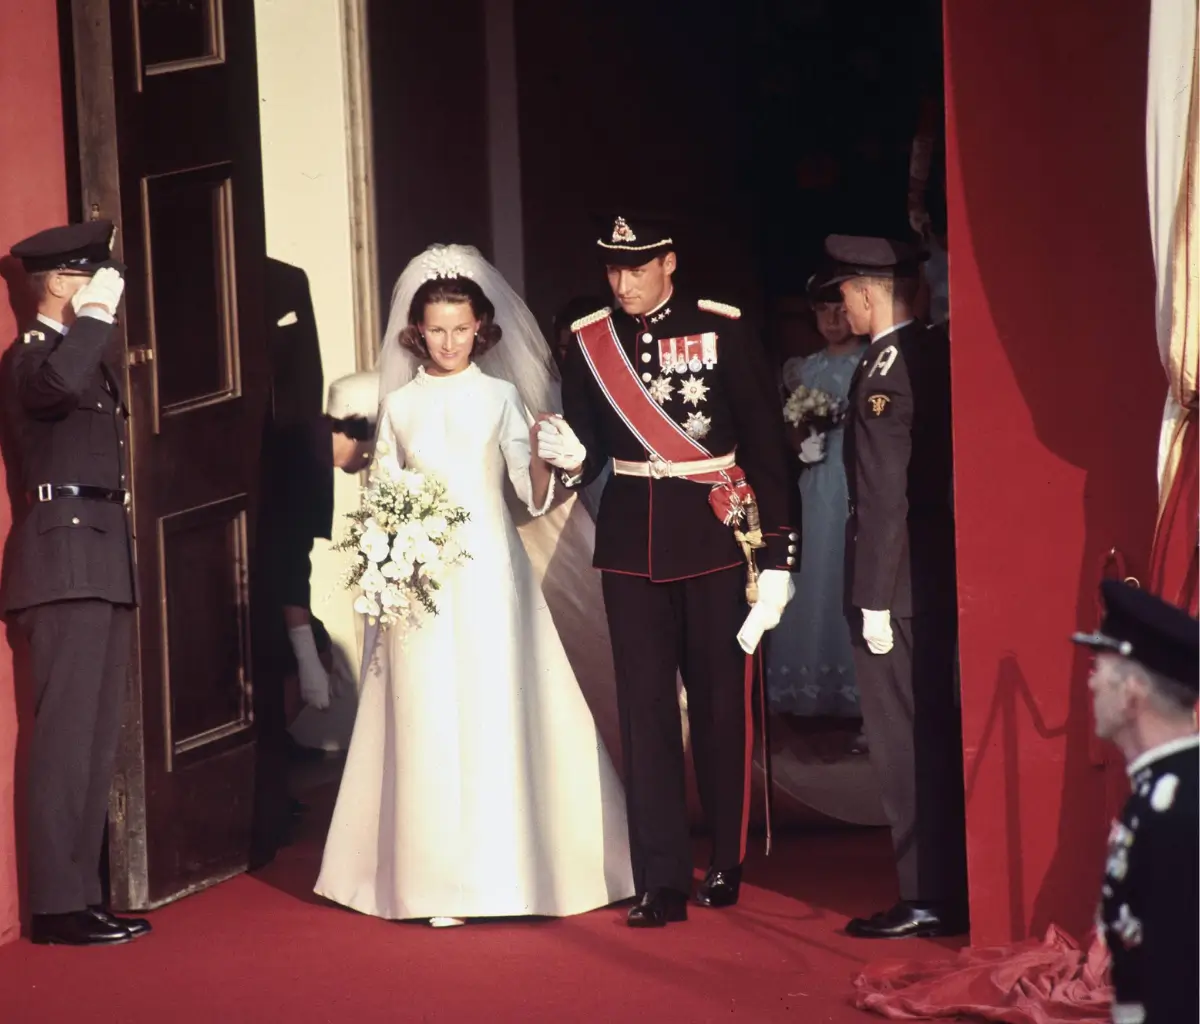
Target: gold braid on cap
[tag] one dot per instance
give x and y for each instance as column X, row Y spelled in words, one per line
column 591, row 318
column 720, row 308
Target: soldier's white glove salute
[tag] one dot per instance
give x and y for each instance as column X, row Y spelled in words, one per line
column 314, row 680
column 877, row 631
column 812, row 448
column 102, row 292
column 558, row 445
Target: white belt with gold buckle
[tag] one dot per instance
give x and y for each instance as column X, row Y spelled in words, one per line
column 660, row 469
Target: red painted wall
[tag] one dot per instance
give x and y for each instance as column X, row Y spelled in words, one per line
column 33, row 195
column 1057, row 397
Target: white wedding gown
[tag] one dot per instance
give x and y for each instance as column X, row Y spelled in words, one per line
column 476, row 784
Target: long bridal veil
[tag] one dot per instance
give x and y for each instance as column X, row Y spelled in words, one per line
column 560, row 543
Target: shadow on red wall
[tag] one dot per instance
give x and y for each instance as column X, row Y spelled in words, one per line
column 23, row 309
column 1048, row 108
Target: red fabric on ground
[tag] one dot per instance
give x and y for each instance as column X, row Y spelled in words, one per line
column 263, row 948
column 1047, row 982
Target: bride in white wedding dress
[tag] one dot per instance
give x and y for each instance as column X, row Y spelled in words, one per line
column 476, row 783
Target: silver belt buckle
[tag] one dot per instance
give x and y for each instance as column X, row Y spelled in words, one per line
column 45, row 492
column 659, row 468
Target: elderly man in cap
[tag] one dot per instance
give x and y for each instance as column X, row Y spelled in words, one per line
column 1144, row 687
column 69, row 585
column 900, row 583
column 671, row 393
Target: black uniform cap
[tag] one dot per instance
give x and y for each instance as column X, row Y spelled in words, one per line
column 859, row 256
column 1148, row 630
column 80, row 247
column 629, row 241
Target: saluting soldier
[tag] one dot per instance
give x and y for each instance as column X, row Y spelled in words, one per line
column 670, row 392
column 900, row 583
column 69, row 583
column 1144, row 686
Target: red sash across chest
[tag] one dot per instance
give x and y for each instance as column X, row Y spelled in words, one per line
column 663, row 439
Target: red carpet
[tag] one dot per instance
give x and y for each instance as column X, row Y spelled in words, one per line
column 263, row 949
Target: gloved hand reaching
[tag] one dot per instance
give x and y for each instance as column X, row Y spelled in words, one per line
column 877, row 631
column 812, row 448
column 314, row 680
column 558, row 445
column 103, row 292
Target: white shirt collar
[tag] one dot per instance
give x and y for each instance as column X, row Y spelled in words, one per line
column 891, row 330
column 52, row 323
column 1158, row 753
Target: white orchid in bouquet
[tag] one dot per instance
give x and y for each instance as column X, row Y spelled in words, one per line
column 402, row 539
column 814, row 408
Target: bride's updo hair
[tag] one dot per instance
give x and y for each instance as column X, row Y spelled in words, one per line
column 453, row 290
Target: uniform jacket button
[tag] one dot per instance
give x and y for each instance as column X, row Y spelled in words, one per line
column 74, row 520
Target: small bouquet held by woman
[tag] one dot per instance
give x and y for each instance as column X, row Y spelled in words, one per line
column 813, row 413
column 403, row 536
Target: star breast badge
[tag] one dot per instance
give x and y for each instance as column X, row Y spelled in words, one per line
column 697, row 426
column 661, row 389
column 693, row 391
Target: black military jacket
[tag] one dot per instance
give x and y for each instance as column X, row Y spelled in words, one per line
column 665, row 529
column 1150, row 903
column 899, row 471
column 68, row 422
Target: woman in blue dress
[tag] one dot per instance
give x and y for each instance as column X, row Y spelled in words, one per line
column 810, row 670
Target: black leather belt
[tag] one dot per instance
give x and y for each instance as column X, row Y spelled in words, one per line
column 51, row 492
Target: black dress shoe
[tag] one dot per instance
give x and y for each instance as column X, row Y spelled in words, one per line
column 906, row 921
column 134, row 925
column 80, row 928
column 720, row 887
column 655, row 908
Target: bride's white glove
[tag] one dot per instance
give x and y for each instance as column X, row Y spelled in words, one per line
column 812, row 448
column 877, row 631
column 314, row 680
column 558, row 445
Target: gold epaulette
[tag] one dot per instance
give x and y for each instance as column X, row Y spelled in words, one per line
column 591, row 318
column 720, row 308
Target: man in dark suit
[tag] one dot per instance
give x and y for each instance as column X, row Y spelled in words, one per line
column 1144, row 686
column 70, row 583
column 672, row 394
column 901, row 584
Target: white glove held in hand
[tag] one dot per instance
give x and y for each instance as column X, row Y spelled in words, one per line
column 314, row 680
column 775, row 590
column 104, row 290
column 877, row 631
column 558, row 445
column 812, row 448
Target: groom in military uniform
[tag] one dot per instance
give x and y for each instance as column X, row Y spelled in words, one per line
column 670, row 392
column 69, row 584
column 1144, row 686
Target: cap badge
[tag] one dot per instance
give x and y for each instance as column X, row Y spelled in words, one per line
column 622, row 232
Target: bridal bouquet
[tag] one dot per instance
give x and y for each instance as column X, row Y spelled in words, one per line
column 402, row 537
column 814, row 408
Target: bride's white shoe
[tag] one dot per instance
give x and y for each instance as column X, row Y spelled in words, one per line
column 445, row 922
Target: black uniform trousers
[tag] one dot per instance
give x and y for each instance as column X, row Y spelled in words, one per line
column 914, row 735
column 659, row 629
column 80, row 653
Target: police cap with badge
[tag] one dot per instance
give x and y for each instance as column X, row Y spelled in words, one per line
column 633, row 241
column 1148, row 630
column 857, row 256
column 74, row 248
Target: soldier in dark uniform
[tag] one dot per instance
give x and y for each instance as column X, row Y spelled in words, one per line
column 900, row 583
column 674, row 574
column 69, row 584
column 1144, row 687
